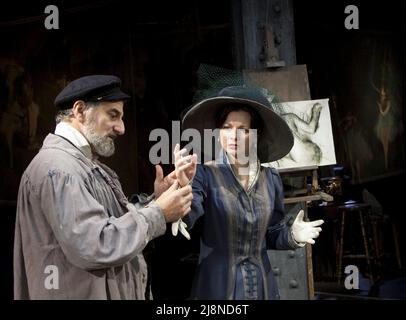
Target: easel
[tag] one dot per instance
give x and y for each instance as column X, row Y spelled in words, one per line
column 305, row 194
column 296, row 282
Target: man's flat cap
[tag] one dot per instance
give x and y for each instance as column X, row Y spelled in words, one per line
column 91, row 88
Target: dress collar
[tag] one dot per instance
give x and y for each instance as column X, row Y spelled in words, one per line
column 253, row 168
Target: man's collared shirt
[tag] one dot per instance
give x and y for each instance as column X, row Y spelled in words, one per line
column 68, row 132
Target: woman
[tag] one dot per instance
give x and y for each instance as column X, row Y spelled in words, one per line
column 242, row 202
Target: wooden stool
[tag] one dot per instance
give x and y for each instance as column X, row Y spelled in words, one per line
column 369, row 253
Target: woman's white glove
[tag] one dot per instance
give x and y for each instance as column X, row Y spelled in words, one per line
column 185, row 165
column 304, row 232
column 185, row 169
column 180, row 225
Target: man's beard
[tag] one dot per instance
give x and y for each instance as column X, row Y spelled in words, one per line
column 103, row 145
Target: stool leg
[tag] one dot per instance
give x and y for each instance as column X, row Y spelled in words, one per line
column 377, row 240
column 364, row 236
column 340, row 248
column 396, row 241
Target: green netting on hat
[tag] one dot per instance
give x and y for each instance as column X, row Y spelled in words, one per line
column 211, row 79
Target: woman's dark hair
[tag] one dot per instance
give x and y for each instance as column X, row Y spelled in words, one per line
column 256, row 121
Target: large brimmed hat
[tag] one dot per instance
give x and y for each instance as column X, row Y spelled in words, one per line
column 276, row 138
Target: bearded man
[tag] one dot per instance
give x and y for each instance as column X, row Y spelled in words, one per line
column 77, row 236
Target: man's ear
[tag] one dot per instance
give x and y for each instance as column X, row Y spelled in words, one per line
column 79, row 108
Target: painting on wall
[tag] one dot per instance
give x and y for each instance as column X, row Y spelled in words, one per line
column 310, row 123
column 370, row 111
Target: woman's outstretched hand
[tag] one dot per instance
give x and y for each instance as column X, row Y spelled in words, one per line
column 305, row 232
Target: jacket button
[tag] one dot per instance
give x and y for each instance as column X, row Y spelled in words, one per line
column 293, row 284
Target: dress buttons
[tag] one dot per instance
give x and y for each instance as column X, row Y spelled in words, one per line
column 293, row 284
column 276, row 271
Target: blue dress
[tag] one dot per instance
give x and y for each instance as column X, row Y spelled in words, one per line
column 239, row 227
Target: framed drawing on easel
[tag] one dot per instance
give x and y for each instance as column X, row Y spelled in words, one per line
column 313, row 137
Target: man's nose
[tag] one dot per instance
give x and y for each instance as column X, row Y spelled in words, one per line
column 119, row 128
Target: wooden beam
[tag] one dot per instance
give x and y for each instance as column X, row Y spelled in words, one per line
column 263, row 33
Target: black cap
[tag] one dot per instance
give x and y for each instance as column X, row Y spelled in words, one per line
column 91, row 88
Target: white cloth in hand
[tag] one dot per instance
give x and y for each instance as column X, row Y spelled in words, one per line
column 305, row 232
column 180, row 225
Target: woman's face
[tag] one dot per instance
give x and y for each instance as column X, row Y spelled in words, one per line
column 236, row 138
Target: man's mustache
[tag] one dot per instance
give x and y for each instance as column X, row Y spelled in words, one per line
column 112, row 136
